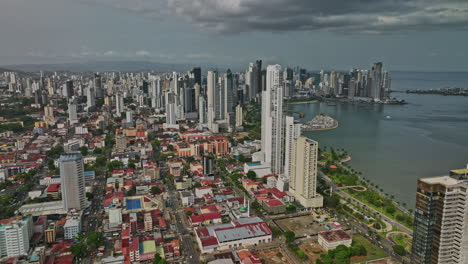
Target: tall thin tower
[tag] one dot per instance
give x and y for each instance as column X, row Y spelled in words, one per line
column 72, row 181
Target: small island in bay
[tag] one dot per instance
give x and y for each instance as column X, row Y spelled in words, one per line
column 320, row 122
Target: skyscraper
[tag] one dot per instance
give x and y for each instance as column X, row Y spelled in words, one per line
column 49, row 114
column 171, row 108
column 72, row 111
column 73, row 181
column 212, row 82
column 272, row 119
column 303, row 177
column 441, row 221
column 229, row 96
column 197, row 77
column 90, row 98
column 98, row 86
column 375, row 81
column 68, row 89
column 119, row 104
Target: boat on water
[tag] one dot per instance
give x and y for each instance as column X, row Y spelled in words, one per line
column 388, row 117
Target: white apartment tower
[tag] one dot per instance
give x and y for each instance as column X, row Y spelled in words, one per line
column 14, row 237
column 303, row 178
column 119, row 104
column 293, row 131
column 72, row 181
column 272, row 119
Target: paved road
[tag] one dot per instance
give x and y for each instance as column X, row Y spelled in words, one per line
column 193, row 257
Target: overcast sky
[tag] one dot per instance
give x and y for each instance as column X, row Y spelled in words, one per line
column 329, row 34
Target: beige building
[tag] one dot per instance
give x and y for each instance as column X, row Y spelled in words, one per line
column 303, row 178
column 331, row 239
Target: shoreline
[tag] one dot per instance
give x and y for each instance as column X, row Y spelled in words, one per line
column 305, row 102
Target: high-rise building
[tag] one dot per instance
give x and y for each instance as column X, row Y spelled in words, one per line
column 440, row 232
column 119, row 104
column 98, row 86
column 201, row 109
column 72, row 181
column 72, row 111
column 376, row 81
column 49, row 114
column 171, row 109
column 239, row 116
column 68, row 89
column 272, row 119
column 129, row 116
column 197, row 77
column 303, row 176
column 229, row 94
column 207, row 165
column 90, row 98
column 212, row 83
column 293, row 131
column 15, row 234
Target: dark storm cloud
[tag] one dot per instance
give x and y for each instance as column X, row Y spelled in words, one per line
column 365, row 16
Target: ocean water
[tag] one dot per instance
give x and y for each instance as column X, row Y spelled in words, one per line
column 394, row 145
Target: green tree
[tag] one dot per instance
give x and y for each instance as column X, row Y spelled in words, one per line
column 97, row 151
column 252, row 175
column 188, row 213
column 155, row 190
column 84, row 150
column 399, row 249
column 289, row 236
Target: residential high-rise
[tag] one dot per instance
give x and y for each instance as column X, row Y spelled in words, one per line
column 272, row 119
column 440, row 232
column 15, row 234
column 303, row 176
column 49, row 114
column 90, row 98
column 201, row 109
column 119, row 104
column 239, row 116
column 68, row 89
column 72, row 111
column 293, row 131
column 72, row 181
column 212, row 83
column 171, row 108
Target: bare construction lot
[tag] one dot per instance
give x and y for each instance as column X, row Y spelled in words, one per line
column 302, row 226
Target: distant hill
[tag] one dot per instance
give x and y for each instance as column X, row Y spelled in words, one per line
column 102, row 66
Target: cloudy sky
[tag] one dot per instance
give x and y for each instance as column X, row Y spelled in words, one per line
column 329, row 34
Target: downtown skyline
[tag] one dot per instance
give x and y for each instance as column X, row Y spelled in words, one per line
column 414, row 35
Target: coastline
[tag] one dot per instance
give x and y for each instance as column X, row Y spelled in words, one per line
column 305, row 102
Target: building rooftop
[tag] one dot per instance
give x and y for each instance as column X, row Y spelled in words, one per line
column 335, row 235
column 443, row 180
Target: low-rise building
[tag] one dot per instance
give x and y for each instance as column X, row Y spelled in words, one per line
column 333, row 238
column 240, row 232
